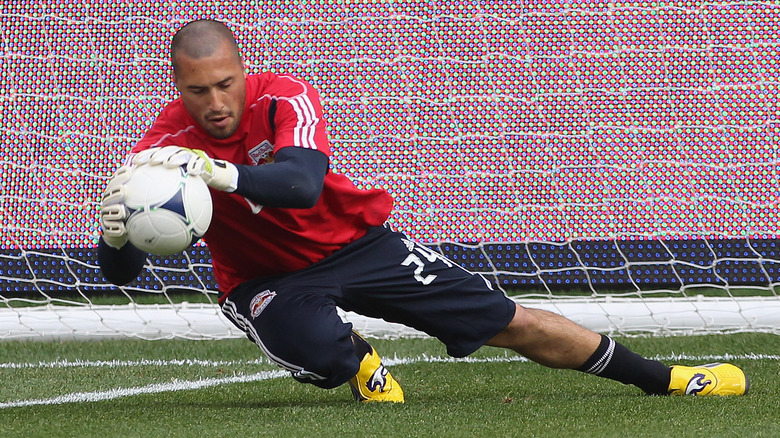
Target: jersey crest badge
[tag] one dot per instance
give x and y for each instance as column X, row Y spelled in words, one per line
column 260, row 302
column 262, row 153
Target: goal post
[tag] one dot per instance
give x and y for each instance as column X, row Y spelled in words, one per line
column 617, row 164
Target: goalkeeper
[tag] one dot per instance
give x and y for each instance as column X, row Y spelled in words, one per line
column 290, row 241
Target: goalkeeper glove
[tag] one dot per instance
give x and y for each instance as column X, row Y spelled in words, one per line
column 113, row 211
column 219, row 174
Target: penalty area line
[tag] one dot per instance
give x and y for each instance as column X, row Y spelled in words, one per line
column 387, row 361
column 81, row 397
column 187, row 385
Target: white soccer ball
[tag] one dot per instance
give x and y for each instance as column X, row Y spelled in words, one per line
column 168, row 210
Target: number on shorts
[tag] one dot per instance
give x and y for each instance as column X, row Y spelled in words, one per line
column 430, row 256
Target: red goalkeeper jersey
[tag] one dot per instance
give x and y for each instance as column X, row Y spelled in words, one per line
column 248, row 240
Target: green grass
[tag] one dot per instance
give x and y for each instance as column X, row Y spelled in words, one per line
column 452, row 399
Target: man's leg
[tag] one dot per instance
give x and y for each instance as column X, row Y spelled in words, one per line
column 554, row 341
column 301, row 333
column 373, row 382
column 547, row 338
column 295, row 323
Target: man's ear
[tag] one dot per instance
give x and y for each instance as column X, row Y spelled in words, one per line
column 173, row 77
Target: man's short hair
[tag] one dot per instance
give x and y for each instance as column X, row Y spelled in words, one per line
column 200, row 38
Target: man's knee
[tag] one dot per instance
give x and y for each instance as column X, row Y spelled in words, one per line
column 324, row 357
column 328, row 370
column 518, row 330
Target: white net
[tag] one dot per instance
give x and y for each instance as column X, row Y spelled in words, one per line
column 614, row 162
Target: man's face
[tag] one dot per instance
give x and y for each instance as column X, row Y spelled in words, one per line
column 213, row 90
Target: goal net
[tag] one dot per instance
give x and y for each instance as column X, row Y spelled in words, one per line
column 613, row 162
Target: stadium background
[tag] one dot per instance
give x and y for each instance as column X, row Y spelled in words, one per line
column 551, row 142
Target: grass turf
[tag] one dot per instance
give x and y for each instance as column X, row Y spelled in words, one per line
column 490, row 399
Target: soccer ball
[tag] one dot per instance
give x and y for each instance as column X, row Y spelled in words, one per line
column 168, row 210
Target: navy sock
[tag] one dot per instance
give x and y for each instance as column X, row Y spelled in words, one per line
column 614, row 361
column 362, row 347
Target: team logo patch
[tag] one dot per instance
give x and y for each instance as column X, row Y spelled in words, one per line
column 262, row 153
column 260, row 302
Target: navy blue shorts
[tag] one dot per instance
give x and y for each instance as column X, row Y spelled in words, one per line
column 293, row 317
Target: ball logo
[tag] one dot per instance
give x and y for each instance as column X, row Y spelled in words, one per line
column 168, row 210
column 260, row 302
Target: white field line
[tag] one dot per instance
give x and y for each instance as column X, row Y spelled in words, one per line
column 387, row 361
column 186, row 385
column 131, row 363
column 81, row 397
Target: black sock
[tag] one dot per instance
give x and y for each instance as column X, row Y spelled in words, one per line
column 614, row 361
column 362, row 347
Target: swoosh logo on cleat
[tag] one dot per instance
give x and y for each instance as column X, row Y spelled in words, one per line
column 378, row 379
column 697, row 384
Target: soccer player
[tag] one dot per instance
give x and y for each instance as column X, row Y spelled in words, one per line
column 290, row 240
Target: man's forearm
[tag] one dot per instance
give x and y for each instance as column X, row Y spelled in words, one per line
column 120, row 266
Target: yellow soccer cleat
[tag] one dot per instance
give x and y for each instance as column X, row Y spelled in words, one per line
column 373, row 381
column 710, row 379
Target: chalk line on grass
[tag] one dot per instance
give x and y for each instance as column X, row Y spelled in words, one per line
column 186, row 385
column 178, row 385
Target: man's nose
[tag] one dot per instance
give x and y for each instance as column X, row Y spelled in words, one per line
column 216, row 101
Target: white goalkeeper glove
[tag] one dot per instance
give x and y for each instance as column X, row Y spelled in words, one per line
column 219, row 174
column 113, row 211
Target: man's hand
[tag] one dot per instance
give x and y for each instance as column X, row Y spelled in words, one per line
column 168, row 156
column 113, row 211
column 219, row 174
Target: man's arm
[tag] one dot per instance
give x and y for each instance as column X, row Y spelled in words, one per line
column 293, row 180
column 120, row 266
column 119, row 261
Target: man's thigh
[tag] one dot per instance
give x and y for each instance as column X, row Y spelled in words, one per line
column 399, row 280
column 297, row 326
